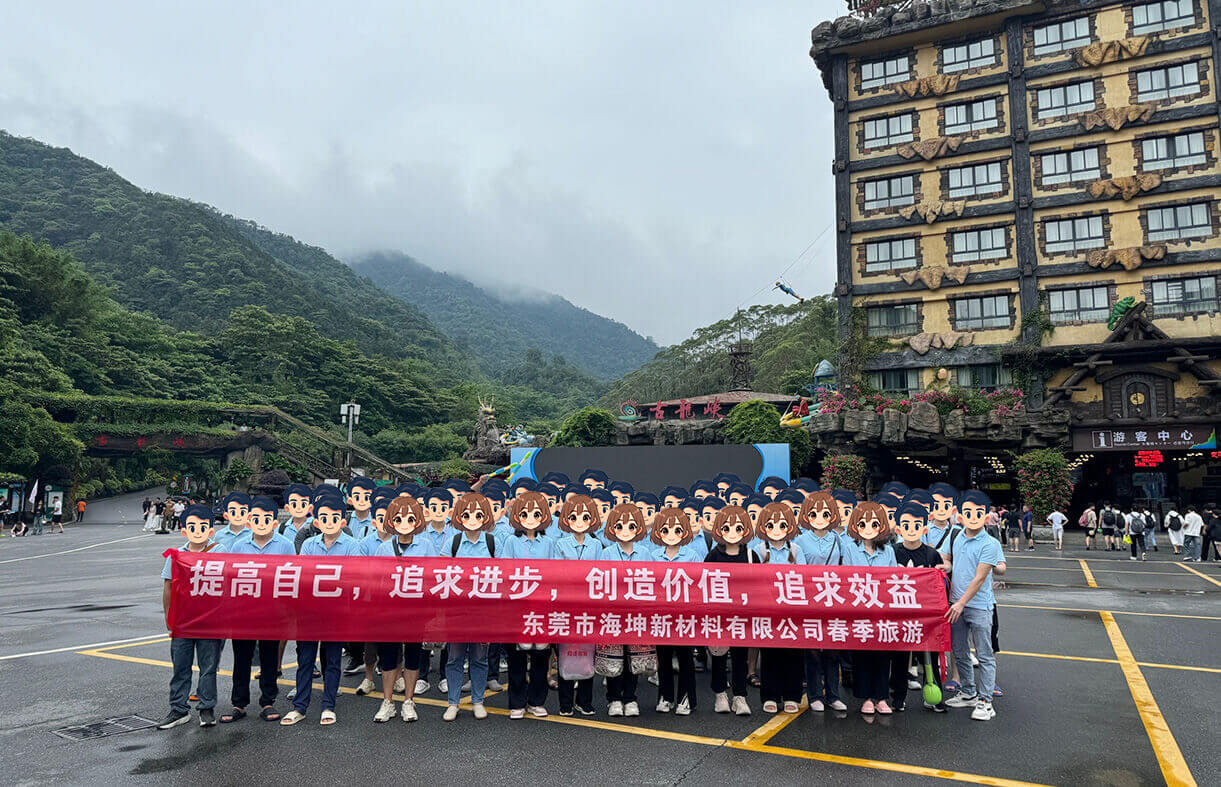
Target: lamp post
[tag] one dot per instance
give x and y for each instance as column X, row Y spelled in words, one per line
column 349, row 413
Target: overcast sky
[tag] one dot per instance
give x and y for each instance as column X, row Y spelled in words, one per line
column 654, row 162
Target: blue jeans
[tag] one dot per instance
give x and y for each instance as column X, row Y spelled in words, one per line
column 822, row 675
column 185, row 653
column 1151, row 537
column 459, row 653
column 975, row 624
column 1191, row 545
column 332, row 666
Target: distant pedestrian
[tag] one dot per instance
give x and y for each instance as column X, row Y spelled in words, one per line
column 80, row 510
column 1057, row 520
column 57, row 514
column 1013, row 530
column 1193, row 528
column 1134, row 523
column 1110, row 521
column 1211, row 543
column 145, row 506
column 1174, row 529
column 1089, row 521
column 1028, row 527
column 1150, row 528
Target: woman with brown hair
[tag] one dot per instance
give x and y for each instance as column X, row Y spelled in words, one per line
column 731, row 531
column 780, row 669
column 529, row 515
column 869, row 528
column 579, row 523
column 671, row 534
column 472, row 518
column 624, row 527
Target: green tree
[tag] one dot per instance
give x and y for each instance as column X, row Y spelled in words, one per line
column 1044, row 481
column 757, row 421
column 588, row 426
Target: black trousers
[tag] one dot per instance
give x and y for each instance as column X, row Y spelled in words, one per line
column 780, row 672
column 1138, row 544
column 871, row 672
column 527, row 676
column 583, row 690
column 1206, row 547
column 269, row 665
column 686, row 673
column 898, row 678
column 622, row 687
column 736, row 679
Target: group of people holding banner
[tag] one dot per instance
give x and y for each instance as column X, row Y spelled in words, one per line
column 596, row 519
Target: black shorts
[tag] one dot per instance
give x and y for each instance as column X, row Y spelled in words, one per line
column 57, row 518
column 1108, row 531
column 389, row 654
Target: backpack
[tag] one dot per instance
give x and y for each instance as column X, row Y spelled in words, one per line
column 1173, row 522
column 1138, row 524
column 453, row 550
column 1108, row 517
column 1084, row 519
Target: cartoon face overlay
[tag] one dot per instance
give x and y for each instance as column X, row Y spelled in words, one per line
column 753, row 510
column 721, row 488
column 737, row 499
column 732, row 526
column 438, row 509
column 529, row 515
column 298, row 506
column 625, row 523
column 197, row 530
column 498, row 508
column 845, row 510
column 774, row 527
column 890, row 514
column 870, row 526
column 648, row 510
column 237, row 514
column 360, row 499
column 579, row 521
column 472, row 519
column 671, row 501
column 329, row 518
column 693, row 518
column 592, row 483
column 796, row 509
column 405, row 516
column 910, row 527
column 973, row 515
column 943, row 508
column 707, row 517
column 621, row 497
column 671, row 529
column 700, row 494
column 771, row 491
column 604, row 508
column 262, row 521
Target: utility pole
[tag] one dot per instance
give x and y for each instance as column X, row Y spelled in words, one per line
column 349, row 413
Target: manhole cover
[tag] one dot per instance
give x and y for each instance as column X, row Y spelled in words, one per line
column 104, row 728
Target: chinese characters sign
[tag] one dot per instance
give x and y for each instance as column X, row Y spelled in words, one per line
column 376, row 599
column 1156, row 436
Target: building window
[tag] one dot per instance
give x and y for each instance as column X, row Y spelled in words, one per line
column 1062, row 36
column 977, row 245
column 971, row 116
column 1155, row 84
column 1180, row 150
column 890, row 255
column 1185, row 296
column 961, row 57
column 989, row 311
column 1179, row 222
column 975, row 180
column 987, row 376
column 1163, row 15
column 880, row 132
column 898, row 319
column 890, row 192
column 1064, row 100
column 887, row 71
column 1070, row 166
column 896, row 380
column 1083, row 304
column 1073, row 235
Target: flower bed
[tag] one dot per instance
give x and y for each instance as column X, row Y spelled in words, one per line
column 1003, row 401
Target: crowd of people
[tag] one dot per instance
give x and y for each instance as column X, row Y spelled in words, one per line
column 721, row 520
column 1195, row 534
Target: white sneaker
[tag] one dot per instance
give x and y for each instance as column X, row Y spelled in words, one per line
column 983, row 712
column 631, row 709
column 443, row 686
column 385, row 712
column 974, row 661
column 517, row 713
column 740, row 707
column 683, row 708
column 653, row 679
column 664, row 706
column 615, row 709
column 914, row 685
column 408, row 713
column 400, row 685
column 720, row 703
column 962, row 701
column 451, row 713
column 365, row 687
column 422, row 687
column 817, row 706
column 838, row 705
column 537, row 710
column 494, row 685
column 479, row 711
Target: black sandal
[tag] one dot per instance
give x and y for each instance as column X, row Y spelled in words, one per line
column 754, row 680
column 237, row 714
column 269, row 714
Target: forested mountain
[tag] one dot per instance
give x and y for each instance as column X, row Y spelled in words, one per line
column 498, row 330
column 788, row 341
column 190, row 266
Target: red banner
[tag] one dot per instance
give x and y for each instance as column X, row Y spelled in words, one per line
column 386, row 599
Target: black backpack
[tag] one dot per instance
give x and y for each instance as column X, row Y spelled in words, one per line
column 1174, row 523
column 1108, row 517
column 453, row 549
column 1138, row 523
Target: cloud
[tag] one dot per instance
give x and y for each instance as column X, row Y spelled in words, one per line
column 656, row 163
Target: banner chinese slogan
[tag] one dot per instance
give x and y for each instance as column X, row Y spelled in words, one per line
column 385, row 599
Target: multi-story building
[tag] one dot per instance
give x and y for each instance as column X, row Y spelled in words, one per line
column 1007, row 174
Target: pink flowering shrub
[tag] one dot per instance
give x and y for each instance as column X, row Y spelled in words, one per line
column 1003, row 401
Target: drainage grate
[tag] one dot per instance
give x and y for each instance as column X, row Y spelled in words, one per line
column 107, row 727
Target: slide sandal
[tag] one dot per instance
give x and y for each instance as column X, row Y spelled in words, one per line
column 237, row 714
column 269, row 714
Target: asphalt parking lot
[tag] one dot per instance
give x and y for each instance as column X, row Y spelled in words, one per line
column 1108, row 667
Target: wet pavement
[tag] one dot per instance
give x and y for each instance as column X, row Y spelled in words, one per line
column 1108, row 672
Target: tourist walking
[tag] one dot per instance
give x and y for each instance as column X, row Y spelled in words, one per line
column 1211, row 541
column 1134, row 522
column 1193, row 528
column 1173, row 522
column 1057, row 520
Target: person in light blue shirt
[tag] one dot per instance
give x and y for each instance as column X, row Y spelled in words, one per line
column 472, row 515
column 236, row 511
column 780, row 669
column 622, row 491
column 605, row 501
column 941, row 515
column 671, row 535
column 300, row 510
column 974, row 556
column 530, row 516
column 625, row 528
column 772, row 486
column 578, row 524
column 709, row 507
column 360, row 498
column 819, row 543
column 196, row 525
column 378, row 533
column 869, row 527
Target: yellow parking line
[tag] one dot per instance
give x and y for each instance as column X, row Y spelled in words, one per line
column 881, row 765
column 133, row 644
column 1199, row 574
column 773, row 726
column 1150, row 664
column 1169, row 757
column 1089, row 575
column 1112, row 611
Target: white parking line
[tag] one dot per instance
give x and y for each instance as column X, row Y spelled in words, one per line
column 83, row 647
column 69, row 551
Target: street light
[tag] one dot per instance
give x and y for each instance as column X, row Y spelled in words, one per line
column 349, row 413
